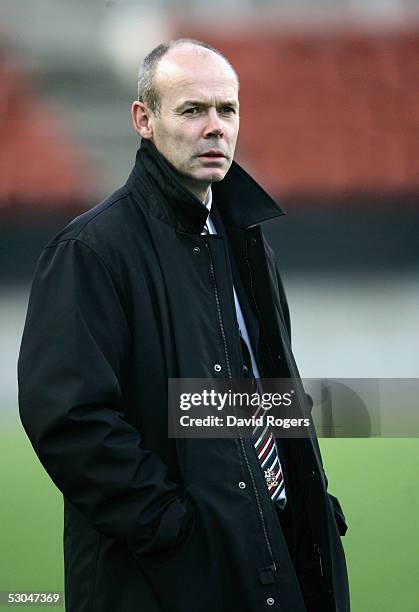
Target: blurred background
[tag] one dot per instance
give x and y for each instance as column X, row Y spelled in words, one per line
column 330, row 126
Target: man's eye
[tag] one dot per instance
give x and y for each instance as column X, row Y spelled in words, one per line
column 191, row 111
column 227, row 110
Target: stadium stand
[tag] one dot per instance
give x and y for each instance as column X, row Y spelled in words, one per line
column 41, row 168
column 328, row 113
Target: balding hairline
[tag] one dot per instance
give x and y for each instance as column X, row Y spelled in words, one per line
column 147, row 88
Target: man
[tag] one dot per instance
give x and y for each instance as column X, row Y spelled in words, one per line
column 138, row 290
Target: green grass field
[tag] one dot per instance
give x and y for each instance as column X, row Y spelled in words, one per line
column 376, row 481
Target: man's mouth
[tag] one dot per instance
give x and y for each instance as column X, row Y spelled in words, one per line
column 213, row 154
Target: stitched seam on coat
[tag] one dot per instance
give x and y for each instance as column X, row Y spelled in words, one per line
column 99, row 212
column 99, row 257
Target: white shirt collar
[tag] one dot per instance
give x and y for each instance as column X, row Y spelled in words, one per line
column 208, row 200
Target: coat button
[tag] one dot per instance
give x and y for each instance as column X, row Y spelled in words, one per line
column 270, row 601
column 252, row 243
column 217, row 367
column 197, row 250
column 242, row 485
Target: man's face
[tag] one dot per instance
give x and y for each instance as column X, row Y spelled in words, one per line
column 197, row 125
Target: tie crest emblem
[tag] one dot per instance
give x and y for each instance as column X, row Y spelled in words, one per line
column 271, row 478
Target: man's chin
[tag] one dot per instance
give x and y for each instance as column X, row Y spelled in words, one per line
column 212, row 176
column 199, row 180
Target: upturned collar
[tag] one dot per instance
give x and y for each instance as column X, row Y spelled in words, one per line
column 240, row 200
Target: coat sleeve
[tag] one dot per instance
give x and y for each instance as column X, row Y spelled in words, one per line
column 74, row 349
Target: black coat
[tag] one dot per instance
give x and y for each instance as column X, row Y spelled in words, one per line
column 127, row 295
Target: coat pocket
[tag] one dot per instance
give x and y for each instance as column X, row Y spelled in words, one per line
column 160, row 558
column 182, row 579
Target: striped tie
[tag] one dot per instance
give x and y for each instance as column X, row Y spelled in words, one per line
column 265, row 443
column 267, row 452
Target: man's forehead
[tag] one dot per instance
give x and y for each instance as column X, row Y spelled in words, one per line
column 190, row 67
column 203, row 91
column 199, row 90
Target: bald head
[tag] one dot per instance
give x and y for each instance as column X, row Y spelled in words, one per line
column 184, row 50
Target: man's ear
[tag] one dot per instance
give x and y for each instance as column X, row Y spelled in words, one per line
column 141, row 120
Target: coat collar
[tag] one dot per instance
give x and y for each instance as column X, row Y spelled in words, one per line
column 241, row 201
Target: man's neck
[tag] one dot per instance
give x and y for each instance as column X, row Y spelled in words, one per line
column 199, row 191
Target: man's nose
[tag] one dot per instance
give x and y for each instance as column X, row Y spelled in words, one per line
column 214, row 126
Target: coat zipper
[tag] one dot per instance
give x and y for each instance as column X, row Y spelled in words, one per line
column 220, row 320
column 241, row 441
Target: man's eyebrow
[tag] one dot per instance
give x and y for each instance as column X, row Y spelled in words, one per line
column 205, row 103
